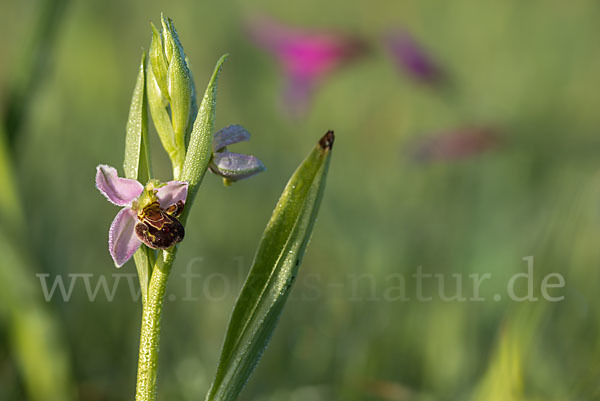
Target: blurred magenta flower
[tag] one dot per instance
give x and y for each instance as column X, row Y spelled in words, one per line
column 306, row 56
column 147, row 212
column 412, row 57
column 456, row 145
column 233, row 166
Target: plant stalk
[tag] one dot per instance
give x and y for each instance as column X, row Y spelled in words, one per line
column 150, row 330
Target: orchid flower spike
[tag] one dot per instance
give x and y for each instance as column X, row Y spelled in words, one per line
column 233, row 166
column 410, row 56
column 149, row 214
column 306, row 57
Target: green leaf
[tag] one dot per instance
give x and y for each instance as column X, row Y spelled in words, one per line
column 137, row 162
column 199, row 150
column 272, row 274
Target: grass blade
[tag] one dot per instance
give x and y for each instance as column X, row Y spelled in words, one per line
column 272, row 274
column 33, row 330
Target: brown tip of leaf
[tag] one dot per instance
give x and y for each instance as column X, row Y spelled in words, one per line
column 326, row 142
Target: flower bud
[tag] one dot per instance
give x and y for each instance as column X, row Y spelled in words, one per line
column 179, row 81
column 158, row 62
column 161, row 119
column 170, row 92
column 233, row 166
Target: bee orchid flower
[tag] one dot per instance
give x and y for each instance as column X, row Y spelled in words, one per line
column 149, row 213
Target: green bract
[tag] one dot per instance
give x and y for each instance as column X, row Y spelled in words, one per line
column 200, row 146
column 136, row 163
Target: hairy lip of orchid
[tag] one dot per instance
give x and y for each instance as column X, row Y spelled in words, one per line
column 149, row 214
column 159, row 228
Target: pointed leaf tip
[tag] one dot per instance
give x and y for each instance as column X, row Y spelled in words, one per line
column 326, row 142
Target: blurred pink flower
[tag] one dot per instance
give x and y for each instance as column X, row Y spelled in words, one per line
column 306, row 56
column 456, row 145
column 412, row 57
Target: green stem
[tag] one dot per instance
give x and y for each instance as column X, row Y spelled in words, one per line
column 177, row 163
column 150, row 330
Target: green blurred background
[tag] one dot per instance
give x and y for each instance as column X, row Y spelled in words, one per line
column 530, row 70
